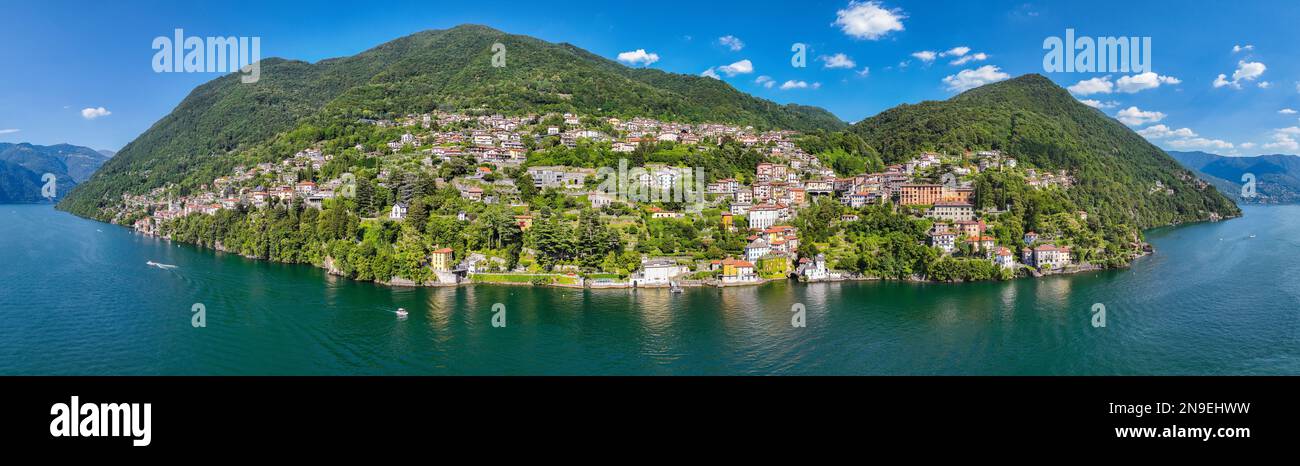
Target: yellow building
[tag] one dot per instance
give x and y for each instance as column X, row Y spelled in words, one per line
column 441, row 260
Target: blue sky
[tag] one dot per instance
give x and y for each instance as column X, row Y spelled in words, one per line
column 80, row 72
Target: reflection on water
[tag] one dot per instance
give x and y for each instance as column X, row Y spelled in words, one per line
column 82, row 302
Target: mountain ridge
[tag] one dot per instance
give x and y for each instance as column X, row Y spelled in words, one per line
column 1121, row 176
column 1277, row 176
column 433, row 69
column 25, row 164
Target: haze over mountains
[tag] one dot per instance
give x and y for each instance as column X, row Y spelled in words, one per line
column 22, row 166
column 1277, row 177
column 1121, row 177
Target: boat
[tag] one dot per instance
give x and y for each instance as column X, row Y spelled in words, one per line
column 675, row 288
column 401, row 312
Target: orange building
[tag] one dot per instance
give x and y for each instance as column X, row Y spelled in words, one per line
column 920, row 194
column 962, row 195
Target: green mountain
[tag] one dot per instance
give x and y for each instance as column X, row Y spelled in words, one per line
column 1120, row 177
column 1277, row 177
column 23, row 165
column 438, row 69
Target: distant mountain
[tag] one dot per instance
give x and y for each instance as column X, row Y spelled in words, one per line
column 23, row 165
column 106, row 153
column 1277, row 177
column 437, row 69
column 1120, row 176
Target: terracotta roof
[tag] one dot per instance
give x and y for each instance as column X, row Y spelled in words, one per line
column 737, row 263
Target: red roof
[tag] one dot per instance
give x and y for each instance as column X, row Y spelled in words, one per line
column 737, row 263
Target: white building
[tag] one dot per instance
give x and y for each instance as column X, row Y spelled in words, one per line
column 763, row 216
column 1048, row 256
column 944, row 240
column 398, row 212
column 756, row 249
column 1004, row 258
column 818, row 270
column 657, row 272
column 952, row 211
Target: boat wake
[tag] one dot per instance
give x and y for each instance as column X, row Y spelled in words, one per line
column 161, row 266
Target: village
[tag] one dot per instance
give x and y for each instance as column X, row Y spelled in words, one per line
column 760, row 205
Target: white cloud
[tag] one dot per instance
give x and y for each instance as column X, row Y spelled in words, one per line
column 788, row 85
column 1265, row 84
column 869, row 20
column 1200, row 143
column 1246, row 71
column 638, row 57
column 1125, row 84
column 970, row 79
column 1101, row 85
column 709, row 73
column 9, row 130
column 1163, row 132
column 1248, row 145
column 1286, row 111
column 765, row 81
column 1285, row 139
column 1141, row 82
column 1097, row 104
column 925, row 56
column 1183, row 138
column 740, row 67
column 1242, row 48
column 1134, row 116
column 955, row 52
column 866, row 71
column 732, row 42
column 980, row 56
column 91, row 113
column 839, row 60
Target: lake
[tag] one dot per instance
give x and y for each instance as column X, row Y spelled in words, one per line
column 78, row 298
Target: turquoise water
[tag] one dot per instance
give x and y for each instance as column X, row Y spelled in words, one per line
column 78, row 298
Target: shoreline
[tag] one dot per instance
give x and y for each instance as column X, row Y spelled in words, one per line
column 584, row 283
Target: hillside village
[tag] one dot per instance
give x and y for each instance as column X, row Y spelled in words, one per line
column 744, row 230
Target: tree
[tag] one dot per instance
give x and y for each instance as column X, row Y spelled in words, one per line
column 527, row 190
column 365, row 198
column 417, row 215
column 553, row 240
